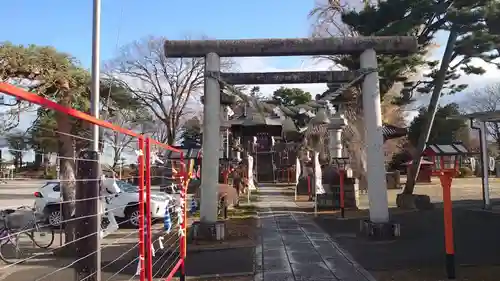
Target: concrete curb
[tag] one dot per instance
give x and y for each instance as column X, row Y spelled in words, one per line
column 215, row 249
column 227, row 275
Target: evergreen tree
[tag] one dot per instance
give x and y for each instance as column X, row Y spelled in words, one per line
column 291, row 96
column 191, row 135
column 424, row 19
column 444, row 131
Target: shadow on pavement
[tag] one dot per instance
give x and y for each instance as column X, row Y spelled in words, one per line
column 421, row 244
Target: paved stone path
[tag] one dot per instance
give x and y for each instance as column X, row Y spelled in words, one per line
column 294, row 248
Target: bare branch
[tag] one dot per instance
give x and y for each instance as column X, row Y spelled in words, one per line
column 167, row 87
column 486, row 99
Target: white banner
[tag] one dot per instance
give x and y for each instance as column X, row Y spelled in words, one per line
column 318, row 175
column 297, row 170
column 472, row 161
column 251, row 184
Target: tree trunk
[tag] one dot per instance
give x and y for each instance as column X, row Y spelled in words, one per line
column 46, row 166
column 38, row 160
column 67, row 175
column 431, row 112
column 16, row 162
column 496, row 134
column 171, row 138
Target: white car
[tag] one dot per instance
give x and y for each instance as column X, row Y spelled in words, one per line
column 123, row 205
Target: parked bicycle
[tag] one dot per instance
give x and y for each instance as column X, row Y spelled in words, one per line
column 18, row 242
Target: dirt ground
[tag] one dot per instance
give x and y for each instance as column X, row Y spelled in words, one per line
column 463, row 190
column 239, row 233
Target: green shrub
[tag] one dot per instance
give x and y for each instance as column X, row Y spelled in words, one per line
column 465, row 172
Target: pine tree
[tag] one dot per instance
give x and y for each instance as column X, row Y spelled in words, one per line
column 191, row 133
column 423, row 19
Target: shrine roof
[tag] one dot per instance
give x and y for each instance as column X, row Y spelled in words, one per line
column 447, row 149
column 392, row 132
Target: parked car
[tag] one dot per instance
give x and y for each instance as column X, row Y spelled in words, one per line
column 123, row 205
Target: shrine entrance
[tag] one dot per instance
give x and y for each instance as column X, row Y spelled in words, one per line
column 366, row 48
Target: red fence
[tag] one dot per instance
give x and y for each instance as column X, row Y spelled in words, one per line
column 68, row 191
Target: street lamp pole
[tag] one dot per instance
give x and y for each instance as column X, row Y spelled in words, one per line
column 95, row 97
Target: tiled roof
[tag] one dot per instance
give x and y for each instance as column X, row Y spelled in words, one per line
column 450, row 149
column 392, row 132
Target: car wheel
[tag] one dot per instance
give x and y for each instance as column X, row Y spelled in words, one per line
column 133, row 216
column 104, row 223
column 54, row 217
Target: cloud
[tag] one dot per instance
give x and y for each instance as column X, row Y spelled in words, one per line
column 474, row 82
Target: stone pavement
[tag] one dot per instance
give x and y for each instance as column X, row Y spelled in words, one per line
column 294, row 248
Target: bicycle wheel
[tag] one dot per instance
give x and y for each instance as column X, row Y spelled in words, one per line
column 14, row 249
column 43, row 237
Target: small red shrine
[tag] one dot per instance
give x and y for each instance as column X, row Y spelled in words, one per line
column 425, row 173
column 445, row 156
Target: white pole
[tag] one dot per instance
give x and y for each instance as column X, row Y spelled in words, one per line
column 485, row 166
column 96, row 60
column 298, row 171
column 256, row 166
column 94, row 102
column 211, row 142
column 377, row 186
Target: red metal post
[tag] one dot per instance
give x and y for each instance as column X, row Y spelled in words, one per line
column 342, row 190
column 446, row 179
column 142, row 244
column 183, row 244
column 149, row 253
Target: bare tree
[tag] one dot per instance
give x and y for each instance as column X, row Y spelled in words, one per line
column 486, row 99
column 168, row 87
column 161, row 133
column 130, row 119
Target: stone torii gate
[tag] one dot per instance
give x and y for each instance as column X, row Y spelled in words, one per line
column 366, row 47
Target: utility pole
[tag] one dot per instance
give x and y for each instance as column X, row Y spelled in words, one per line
column 95, row 97
column 88, row 188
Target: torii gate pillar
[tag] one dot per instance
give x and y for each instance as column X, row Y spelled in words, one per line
column 375, row 168
column 211, row 142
